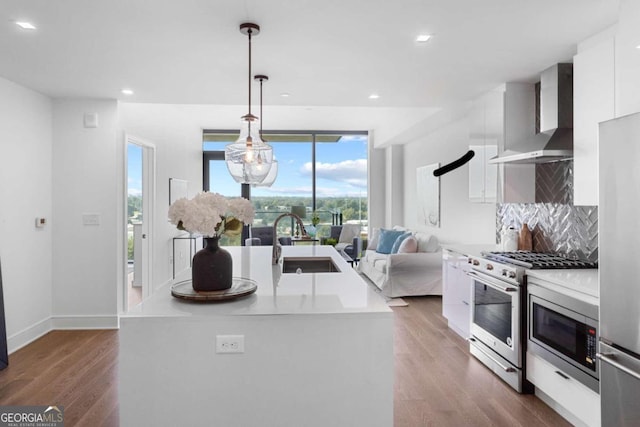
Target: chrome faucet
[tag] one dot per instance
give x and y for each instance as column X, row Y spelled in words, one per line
column 277, row 247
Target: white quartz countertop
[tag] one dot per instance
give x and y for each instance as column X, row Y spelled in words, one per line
column 342, row 292
column 580, row 283
column 470, row 249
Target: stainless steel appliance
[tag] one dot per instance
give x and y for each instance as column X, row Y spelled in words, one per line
column 619, row 223
column 496, row 319
column 564, row 331
column 555, row 141
column 498, row 315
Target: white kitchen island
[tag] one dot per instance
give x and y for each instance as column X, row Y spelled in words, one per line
column 318, row 351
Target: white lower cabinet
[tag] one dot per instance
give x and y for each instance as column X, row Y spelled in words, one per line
column 456, row 293
column 570, row 398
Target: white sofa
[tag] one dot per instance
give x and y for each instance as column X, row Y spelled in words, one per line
column 405, row 274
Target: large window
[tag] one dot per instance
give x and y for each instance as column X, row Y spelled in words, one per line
column 326, row 172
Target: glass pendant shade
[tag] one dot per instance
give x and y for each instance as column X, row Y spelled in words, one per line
column 249, row 159
column 271, row 177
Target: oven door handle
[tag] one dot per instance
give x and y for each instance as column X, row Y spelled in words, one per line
column 505, row 368
column 485, row 280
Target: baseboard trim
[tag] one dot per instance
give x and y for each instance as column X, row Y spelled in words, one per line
column 85, row 322
column 28, row 335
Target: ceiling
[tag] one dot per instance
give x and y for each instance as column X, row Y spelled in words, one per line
column 322, row 53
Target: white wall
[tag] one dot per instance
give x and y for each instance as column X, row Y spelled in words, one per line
column 85, row 180
column 376, row 178
column 461, row 221
column 25, row 193
column 394, row 186
column 627, row 59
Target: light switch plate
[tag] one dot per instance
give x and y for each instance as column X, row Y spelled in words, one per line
column 90, row 219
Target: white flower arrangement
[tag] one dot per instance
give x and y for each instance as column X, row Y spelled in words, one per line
column 211, row 214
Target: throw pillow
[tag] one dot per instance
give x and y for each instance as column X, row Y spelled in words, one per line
column 386, row 240
column 427, row 242
column 398, row 242
column 348, row 233
column 408, row 245
column 372, row 244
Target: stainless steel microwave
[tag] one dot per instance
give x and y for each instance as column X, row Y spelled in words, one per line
column 564, row 331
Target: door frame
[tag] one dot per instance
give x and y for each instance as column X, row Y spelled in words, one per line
column 148, row 208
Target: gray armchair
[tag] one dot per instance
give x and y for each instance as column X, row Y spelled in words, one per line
column 350, row 246
column 263, row 236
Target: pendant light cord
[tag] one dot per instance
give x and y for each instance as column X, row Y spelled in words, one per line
column 249, row 32
column 261, row 108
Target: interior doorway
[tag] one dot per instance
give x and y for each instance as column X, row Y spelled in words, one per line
column 139, row 179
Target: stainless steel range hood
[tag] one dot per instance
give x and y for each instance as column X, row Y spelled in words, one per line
column 555, row 141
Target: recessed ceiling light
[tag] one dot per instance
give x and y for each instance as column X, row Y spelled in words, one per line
column 127, row 91
column 284, row 95
column 422, row 38
column 26, row 25
column 638, row 47
column 374, row 96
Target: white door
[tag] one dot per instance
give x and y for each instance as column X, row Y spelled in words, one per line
column 139, row 202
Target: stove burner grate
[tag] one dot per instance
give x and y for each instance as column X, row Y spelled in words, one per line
column 540, row 260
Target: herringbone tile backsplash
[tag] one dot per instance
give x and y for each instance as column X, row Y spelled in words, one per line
column 556, row 225
column 554, row 182
column 565, row 229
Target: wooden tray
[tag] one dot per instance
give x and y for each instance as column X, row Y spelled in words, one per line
column 241, row 287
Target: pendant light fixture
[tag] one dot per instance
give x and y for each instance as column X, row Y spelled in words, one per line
column 273, row 172
column 249, row 159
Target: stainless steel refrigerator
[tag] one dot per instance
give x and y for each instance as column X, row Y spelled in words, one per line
column 619, row 257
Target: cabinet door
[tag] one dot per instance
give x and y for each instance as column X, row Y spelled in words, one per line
column 593, row 102
column 485, row 130
column 581, row 403
column 456, row 294
column 483, row 177
column 449, row 276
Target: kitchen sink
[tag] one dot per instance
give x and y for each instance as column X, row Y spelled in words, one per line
column 309, row 265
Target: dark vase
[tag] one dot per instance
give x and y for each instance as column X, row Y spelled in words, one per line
column 212, row 267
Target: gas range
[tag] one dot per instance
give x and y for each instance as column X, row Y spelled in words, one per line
column 511, row 266
column 538, row 260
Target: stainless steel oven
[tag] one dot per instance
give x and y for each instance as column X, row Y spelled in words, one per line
column 564, row 331
column 496, row 320
column 495, row 315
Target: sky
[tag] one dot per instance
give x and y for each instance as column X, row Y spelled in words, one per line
column 341, row 170
column 134, row 170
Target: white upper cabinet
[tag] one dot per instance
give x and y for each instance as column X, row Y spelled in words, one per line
column 593, row 102
column 483, row 177
column 485, row 132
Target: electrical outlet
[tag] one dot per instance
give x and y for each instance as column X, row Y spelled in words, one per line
column 229, row 343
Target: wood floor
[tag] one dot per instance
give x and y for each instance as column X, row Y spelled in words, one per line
column 437, row 382
column 74, row 369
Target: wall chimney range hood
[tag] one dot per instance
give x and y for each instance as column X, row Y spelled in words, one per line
column 555, row 141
